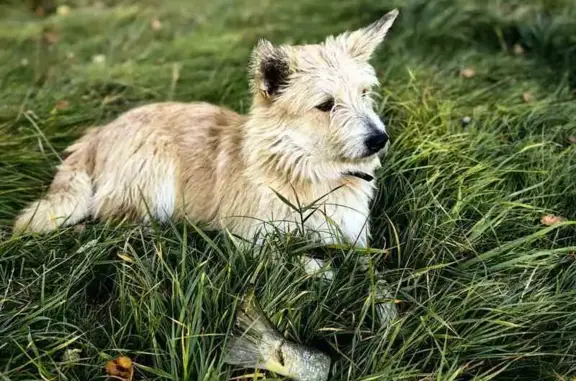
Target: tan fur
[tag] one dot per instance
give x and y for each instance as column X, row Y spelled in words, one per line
column 214, row 166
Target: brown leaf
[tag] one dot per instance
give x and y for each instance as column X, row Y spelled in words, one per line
column 62, row 105
column 572, row 139
column 517, row 49
column 527, row 97
column 43, row 7
column 79, row 228
column 50, row 37
column 120, row 368
column 156, row 24
column 467, row 72
column 550, row 219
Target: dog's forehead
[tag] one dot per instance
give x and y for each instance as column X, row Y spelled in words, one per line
column 333, row 68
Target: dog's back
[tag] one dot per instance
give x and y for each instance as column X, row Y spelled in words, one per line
column 140, row 165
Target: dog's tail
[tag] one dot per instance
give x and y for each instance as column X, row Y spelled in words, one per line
column 69, row 198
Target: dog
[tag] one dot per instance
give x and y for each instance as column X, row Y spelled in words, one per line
column 311, row 141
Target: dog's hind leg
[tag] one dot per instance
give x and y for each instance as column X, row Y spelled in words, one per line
column 69, row 197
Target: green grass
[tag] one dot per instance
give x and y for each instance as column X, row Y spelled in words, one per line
column 486, row 291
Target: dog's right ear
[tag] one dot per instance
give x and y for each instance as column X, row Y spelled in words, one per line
column 363, row 42
column 270, row 69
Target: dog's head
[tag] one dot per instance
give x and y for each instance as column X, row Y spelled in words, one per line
column 317, row 98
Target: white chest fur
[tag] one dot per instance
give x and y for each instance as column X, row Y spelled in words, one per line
column 333, row 213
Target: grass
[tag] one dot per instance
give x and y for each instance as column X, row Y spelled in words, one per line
column 486, row 291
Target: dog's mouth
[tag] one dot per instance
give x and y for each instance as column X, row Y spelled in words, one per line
column 361, row 175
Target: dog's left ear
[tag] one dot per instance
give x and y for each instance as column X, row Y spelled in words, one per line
column 270, row 69
column 363, row 42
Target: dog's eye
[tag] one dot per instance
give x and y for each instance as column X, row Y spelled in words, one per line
column 326, row 106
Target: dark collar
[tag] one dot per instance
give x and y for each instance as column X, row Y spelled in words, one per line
column 361, row 175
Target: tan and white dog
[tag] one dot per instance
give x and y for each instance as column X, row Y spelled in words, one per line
column 311, row 136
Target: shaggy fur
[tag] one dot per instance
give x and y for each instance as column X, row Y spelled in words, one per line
column 304, row 136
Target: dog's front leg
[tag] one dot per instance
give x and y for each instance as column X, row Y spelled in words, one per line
column 380, row 289
column 381, row 292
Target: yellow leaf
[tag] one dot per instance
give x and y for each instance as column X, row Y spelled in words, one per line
column 551, row 219
column 156, row 24
column 126, row 258
column 467, row 72
column 63, row 10
column 518, row 49
column 121, row 368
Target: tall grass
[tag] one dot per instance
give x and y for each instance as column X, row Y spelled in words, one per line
column 485, row 290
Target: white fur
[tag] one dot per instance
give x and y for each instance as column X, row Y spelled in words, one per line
column 166, row 195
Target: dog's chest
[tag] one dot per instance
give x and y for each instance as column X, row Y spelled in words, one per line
column 337, row 209
column 349, row 208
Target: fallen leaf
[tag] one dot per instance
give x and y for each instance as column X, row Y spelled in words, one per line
column 79, row 228
column 120, row 368
column 50, row 37
column 71, row 355
column 126, row 258
column 156, row 24
column 108, row 99
column 467, row 72
column 517, row 49
column 572, row 139
column 527, row 97
column 62, row 105
column 63, row 10
column 99, row 58
column 551, row 219
column 43, row 7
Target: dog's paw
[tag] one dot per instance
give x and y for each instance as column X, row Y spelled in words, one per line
column 384, row 304
column 317, row 267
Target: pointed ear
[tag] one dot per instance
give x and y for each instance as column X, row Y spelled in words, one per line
column 363, row 42
column 270, row 69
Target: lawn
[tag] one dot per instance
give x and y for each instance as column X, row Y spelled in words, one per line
column 476, row 207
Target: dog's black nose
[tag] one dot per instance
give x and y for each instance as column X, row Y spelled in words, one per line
column 376, row 141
